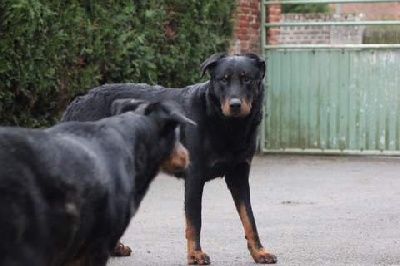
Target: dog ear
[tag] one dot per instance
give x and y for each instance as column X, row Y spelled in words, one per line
column 168, row 115
column 120, row 106
column 210, row 62
column 168, row 111
column 181, row 119
column 176, row 113
column 260, row 62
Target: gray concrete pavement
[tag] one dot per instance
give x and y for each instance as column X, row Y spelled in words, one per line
column 309, row 211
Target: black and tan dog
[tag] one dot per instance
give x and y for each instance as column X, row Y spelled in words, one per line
column 227, row 110
column 67, row 193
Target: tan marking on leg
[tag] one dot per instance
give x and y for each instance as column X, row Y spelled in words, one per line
column 190, row 237
column 248, row 230
column 194, row 253
column 257, row 251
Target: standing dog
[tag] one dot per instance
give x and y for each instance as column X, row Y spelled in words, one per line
column 227, row 110
column 67, row 193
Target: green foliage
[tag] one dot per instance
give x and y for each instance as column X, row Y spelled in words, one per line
column 304, row 8
column 51, row 50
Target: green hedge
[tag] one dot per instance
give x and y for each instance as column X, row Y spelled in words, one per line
column 52, row 50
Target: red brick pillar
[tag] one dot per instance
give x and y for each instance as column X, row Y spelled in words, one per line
column 247, row 26
column 273, row 15
column 246, row 36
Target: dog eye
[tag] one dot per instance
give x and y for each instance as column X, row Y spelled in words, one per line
column 225, row 79
column 246, row 80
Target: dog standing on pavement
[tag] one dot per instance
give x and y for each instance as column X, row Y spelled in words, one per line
column 227, row 110
column 67, row 193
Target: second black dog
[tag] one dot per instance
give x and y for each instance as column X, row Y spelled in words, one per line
column 227, row 110
column 67, row 193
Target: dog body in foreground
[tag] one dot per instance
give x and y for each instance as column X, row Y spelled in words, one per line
column 227, row 110
column 67, row 193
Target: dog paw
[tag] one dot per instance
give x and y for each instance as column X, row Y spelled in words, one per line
column 120, row 250
column 198, row 258
column 263, row 257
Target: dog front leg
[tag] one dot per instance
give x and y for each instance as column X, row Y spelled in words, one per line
column 237, row 181
column 193, row 196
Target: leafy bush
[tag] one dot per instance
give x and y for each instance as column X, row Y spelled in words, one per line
column 52, row 50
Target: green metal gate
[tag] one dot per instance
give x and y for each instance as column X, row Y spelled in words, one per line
column 331, row 98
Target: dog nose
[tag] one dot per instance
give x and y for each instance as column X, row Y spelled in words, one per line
column 235, row 104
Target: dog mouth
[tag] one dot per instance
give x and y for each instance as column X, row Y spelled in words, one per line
column 172, row 171
column 235, row 107
column 234, row 114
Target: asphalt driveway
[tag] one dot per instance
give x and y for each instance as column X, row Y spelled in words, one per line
column 309, row 210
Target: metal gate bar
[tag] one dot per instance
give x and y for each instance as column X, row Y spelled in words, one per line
column 349, row 101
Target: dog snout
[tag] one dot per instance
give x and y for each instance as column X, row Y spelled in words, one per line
column 177, row 161
column 235, row 104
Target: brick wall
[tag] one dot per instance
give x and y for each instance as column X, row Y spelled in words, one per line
column 246, row 37
column 321, row 34
column 273, row 15
column 372, row 11
column 247, row 25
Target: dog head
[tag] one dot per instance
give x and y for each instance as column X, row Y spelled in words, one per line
column 168, row 117
column 236, row 80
